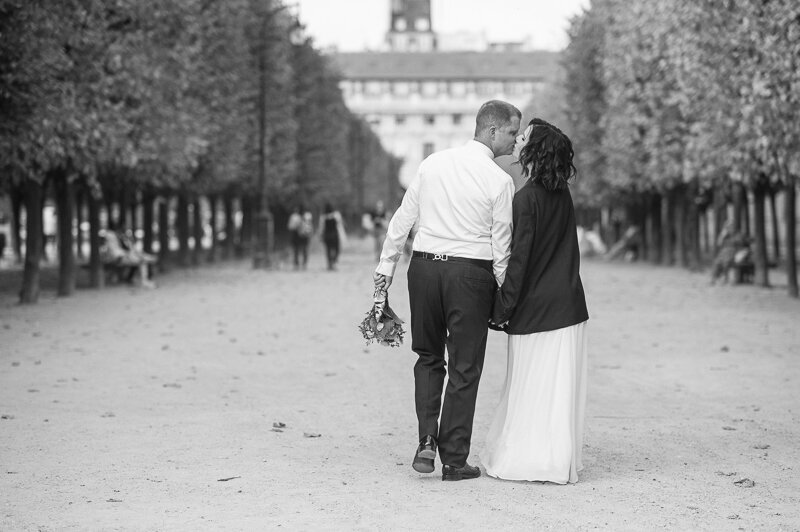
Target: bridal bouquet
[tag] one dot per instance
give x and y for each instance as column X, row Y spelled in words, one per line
column 381, row 324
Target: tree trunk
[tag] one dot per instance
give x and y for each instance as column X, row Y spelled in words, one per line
column 692, row 231
column 124, row 209
column 182, row 225
column 148, row 217
column 791, row 236
column 246, row 232
column 720, row 215
column 746, row 227
column 97, row 278
column 197, row 230
column 739, row 207
column 680, row 216
column 230, row 226
column 65, row 210
column 654, row 228
column 17, row 198
column 760, row 251
column 163, row 232
column 667, row 256
column 34, row 196
column 705, row 234
column 776, row 235
column 641, row 214
column 212, row 207
column 80, row 201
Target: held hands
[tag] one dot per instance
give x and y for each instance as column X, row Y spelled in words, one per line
column 382, row 282
column 495, row 327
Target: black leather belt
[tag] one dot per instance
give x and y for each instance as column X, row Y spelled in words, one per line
column 483, row 263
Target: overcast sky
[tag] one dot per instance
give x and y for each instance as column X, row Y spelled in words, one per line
column 353, row 25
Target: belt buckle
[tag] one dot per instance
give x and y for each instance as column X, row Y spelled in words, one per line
column 439, row 256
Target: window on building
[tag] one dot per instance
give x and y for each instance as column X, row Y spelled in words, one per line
column 400, row 88
column 457, row 119
column 429, row 88
column 427, row 149
column 458, row 88
column 430, row 119
column 373, row 87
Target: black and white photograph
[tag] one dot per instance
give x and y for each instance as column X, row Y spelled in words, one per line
column 399, row 265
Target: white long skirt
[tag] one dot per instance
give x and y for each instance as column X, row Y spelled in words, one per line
column 537, row 430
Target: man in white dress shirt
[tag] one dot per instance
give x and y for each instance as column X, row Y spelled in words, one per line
column 461, row 200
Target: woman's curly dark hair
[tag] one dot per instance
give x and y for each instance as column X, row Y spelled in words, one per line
column 547, row 156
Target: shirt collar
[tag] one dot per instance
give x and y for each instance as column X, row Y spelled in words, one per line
column 483, row 148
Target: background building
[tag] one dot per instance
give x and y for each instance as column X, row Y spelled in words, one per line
column 421, row 93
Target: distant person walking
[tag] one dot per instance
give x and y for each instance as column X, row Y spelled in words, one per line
column 332, row 234
column 301, row 227
column 537, row 431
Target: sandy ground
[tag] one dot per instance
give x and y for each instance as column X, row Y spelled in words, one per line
column 132, row 409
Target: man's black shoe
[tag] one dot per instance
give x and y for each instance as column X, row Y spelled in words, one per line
column 426, row 452
column 460, row 473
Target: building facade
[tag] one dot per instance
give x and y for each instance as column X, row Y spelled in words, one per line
column 420, row 98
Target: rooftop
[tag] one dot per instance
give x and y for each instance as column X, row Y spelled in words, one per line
column 538, row 65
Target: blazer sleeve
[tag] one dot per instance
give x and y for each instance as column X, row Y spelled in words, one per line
column 507, row 297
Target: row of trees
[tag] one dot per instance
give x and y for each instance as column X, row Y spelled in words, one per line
column 126, row 103
column 682, row 111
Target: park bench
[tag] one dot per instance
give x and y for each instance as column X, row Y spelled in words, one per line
column 114, row 271
column 121, row 260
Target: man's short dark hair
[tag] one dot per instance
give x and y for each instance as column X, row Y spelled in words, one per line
column 495, row 113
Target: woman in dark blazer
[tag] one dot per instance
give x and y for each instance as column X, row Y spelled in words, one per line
column 537, row 431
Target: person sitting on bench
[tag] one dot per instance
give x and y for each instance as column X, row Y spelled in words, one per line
column 119, row 249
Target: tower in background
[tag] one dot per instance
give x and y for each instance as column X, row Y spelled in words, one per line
column 422, row 92
column 410, row 28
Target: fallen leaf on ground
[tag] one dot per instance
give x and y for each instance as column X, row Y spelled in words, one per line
column 226, row 479
column 279, row 425
column 273, row 429
column 728, row 428
column 745, row 483
column 114, row 500
column 761, row 446
column 6, row 416
column 723, row 474
column 172, row 385
column 312, row 434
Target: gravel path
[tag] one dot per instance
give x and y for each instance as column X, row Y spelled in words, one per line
column 233, row 399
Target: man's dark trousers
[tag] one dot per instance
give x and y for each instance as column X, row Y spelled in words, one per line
column 451, row 303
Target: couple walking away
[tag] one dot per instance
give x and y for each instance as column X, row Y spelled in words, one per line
column 470, row 270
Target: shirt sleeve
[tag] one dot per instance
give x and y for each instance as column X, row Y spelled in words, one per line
column 399, row 227
column 501, row 231
column 524, row 230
